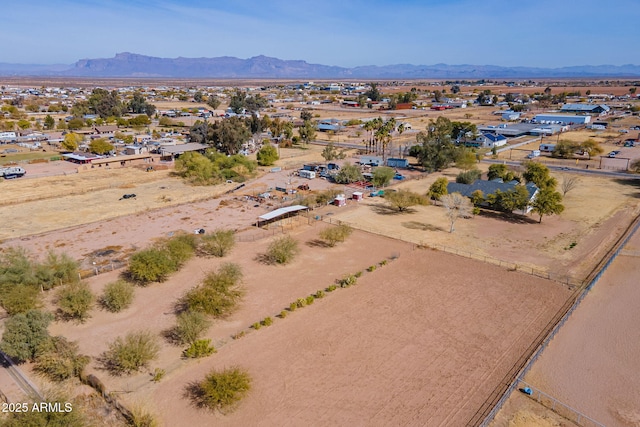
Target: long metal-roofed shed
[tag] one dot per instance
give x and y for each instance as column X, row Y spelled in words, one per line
column 174, row 151
column 279, row 214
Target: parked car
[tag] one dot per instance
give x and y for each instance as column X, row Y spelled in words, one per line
column 614, row 153
column 399, row 177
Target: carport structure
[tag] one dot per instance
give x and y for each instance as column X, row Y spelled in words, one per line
column 280, row 214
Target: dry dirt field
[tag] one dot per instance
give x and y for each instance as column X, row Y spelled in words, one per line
column 592, row 364
column 592, row 222
column 307, row 366
column 403, row 346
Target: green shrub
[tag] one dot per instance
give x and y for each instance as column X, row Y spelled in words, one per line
column 57, row 269
column 371, row 268
column 293, row 306
column 384, row 262
column 268, row 321
column 190, row 326
column 151, row 265
column 267, row 155
column 221, row 389
column 347, row 281
column 24, row 333
column 331, row 288
column 219, row 294
column 75, row 301
column 256, row 325
column 301, row 302
column 218, row 244
column 238, row 335
column 19, row 298
column 283, row 314
column 199, row 348
column 333, row 235
column 117, row 296
column 181, row 248
column 358, row 274
column 58, row 359
column 140, row 417
column 129, row 354
column 319, row 294
column 282, row 250
column 157, row 375
column 309, row 300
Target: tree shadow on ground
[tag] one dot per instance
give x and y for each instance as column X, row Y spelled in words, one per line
column 317, row 243
column 416, row 225
column 508, row 217
column 388, row 210
column 634, row 183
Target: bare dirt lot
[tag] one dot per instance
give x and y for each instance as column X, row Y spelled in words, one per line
column 591, row 364
column 403, row 346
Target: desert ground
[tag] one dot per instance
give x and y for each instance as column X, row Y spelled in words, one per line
column 423, row 340
column 591, row 364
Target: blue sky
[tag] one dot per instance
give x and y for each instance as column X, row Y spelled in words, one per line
column 543, row 33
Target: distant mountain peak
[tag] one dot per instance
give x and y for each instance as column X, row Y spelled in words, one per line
column 128, row 64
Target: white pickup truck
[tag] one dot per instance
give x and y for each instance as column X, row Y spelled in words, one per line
column 12, row 172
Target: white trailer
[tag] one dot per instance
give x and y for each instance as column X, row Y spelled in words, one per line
column 12, row 172
column 306, row 174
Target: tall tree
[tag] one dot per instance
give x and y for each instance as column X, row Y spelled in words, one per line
column 591, row 147
column 49, row 122
column 307, row 131
column 456, row 206
column 547, row 202
column 538, row 174
column 105, row 103
column 228, row 135
column 438, row 150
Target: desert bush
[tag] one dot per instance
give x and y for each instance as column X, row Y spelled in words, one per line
column 331, row 288
column 19, row 298
column 157, row 375
column 358, row 274
column 117, row 296
column 283, row 314
column 309, row 300
column 333, row 235
column 218, row 244
column 293, row 306
column 141, row 417
column 256, row 325
column 24, row 333
column 190, row 326
column 181, row 248
column 383, row 262
column 347, row 281
column 282, row 250
column 199, row 348
column 301, row 302
column 75, row 301
column 469, row 176
column 268, row 321
column 151, row 265
column 238, row 335
column 131, row 353
column 59, row 359
column 319, row 294
column 57, row 269
column 371, row 268
column 218, row 295
column 221, row 389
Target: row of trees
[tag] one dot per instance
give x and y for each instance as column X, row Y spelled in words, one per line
column 108, row 104
column 214, row 167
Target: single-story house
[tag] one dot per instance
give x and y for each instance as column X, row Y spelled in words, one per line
column 490, row 140
column 490, row 187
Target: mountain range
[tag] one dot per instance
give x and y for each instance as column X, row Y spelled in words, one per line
column 131, row 65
